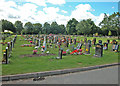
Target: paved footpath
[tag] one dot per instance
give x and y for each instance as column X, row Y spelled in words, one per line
column 107, row 75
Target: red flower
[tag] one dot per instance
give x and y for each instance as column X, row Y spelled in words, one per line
column 64, row 52
column 43, row 46
column 35, row 51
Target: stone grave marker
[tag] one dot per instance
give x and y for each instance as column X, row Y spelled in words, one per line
column 98, row 50
column 44, row 43
column 87, row 47
column 94, row 41
column 39, row 42
column 105, row 46
column 115, row 46
column 79, row 46
column 74, row 40
column 85, row 40
column 108, row 41
column 100, row 42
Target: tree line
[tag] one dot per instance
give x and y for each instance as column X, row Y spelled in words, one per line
column 108, row 26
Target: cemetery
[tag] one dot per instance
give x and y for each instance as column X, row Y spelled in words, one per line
column 41, row 52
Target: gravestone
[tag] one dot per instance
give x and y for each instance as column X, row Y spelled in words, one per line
column 89, row 42
column 85, row 40
column 115, row 47
column 100, row 42
column 11, row 43
column 9, row 53
column 74, row 40
column 81, row 42
column 108, row 41
column 44, row 43
column 94, row 41
column 87, row 47
column 61, row 50
column 79, row 46
column 72, row 47
column 105, row 46
column 98, row 50
column 71, row 41
column 39, row 42
column 6, row 55
column 34, row 41
column 67, row 43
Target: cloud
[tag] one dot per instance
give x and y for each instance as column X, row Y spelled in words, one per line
column 50, row 14
column 63, row 11
column 38, row 2
column 79, row 13
column 56, row 2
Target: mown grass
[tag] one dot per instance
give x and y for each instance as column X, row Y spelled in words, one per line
column 20, row 65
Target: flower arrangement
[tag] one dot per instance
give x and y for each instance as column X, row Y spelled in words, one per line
column 78, row 41
column 77, row 51
column 31, row 42
column 4, row 50
column 35, row 52
column 87, row 50
column 5, row 42
column 64, row 53
column 48, row 52
column 43, row 46
column 27, row 45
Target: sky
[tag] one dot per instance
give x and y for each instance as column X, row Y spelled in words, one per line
column 61, row 11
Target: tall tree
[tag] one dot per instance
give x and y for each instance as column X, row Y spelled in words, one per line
column 110, row 23
column 62, row 29
column 28, row 27
column 7, row 25
column 71, row 26
column 55, row 29
column 37, row 27
column 46, row 28
column 84, row 27
column 19, row 26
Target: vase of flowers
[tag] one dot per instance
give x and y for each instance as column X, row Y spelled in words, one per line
column 34, row 52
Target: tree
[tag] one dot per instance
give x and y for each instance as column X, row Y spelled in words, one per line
column 46, row 28
column 110, row 23
column 7, row 25
column 62, row 29
column 84, row 27
column 55, row 29
column 19, row 26
column 28, row 27
column 37, row 27
column 71, row 26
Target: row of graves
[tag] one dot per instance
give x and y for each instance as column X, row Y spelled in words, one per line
column 61, row 42
column 8, row 50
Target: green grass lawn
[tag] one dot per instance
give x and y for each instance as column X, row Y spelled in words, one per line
column 20, row 65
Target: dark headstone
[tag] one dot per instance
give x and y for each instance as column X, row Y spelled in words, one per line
column 75, row 41
column 108, row 41
column 85, row 40
column 100, row 42
column 115, row 47
column 99, row 50
column 94, row 41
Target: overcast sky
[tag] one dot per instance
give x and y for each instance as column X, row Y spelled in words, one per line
column 41, row 11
